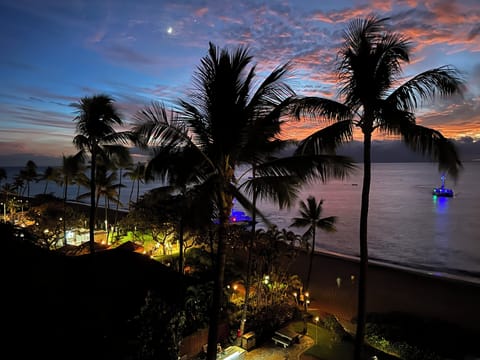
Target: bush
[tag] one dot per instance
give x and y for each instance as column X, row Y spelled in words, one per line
column 330, row 322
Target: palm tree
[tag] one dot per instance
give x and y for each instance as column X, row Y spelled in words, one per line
column 106, row 187
column 137, row 175
column 96, row 119
column 225, row 125
column 310, row 215
column 3, row 175
column 29, row 174
column 119, row 164
column 50, row 174
column 71, row 166
column 370, row 65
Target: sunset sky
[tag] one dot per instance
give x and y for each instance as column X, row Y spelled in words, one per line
column 54, row 52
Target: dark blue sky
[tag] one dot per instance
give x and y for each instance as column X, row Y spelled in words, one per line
column 54, row 52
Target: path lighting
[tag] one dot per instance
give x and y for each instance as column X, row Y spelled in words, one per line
column 4, row 212
column 316, row 328
column 295, row 296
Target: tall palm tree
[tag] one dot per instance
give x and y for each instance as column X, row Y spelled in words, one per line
column 370, row 65
column 96, row 135
column 310, row 216
column 228, row 123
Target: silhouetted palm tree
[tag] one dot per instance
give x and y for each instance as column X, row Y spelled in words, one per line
column 3, row 175
column 119, row 164
column 29, row 174
column 96, row 135
column 136, row 174
column 50, row 174
column 310, row 216
column 106, row 187
column 225, row 125
column 369, row 67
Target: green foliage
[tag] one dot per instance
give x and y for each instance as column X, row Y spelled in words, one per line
column 269, row 318
column 330, row 322
column 160, row 329
column 196, row 306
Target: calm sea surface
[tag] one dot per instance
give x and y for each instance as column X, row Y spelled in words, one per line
column 408, row 227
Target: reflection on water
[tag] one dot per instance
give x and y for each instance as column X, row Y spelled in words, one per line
column 441, row 204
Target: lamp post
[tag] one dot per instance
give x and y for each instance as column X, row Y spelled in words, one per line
column 316, row 328
column 4, row 212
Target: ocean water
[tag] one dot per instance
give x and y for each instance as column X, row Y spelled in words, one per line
column 408, row 227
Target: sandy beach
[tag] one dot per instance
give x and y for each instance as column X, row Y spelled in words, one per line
column 390, row 289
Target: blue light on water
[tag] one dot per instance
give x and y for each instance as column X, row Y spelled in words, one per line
column 441, row 204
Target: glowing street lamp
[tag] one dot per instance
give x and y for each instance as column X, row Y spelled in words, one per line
column 4, row 212
column 295, row 296
column 316, row 327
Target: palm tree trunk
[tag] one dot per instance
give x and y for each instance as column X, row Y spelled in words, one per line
column 107, row 206
column 138, row 189
column 217, row 289
column 131, row 194
column 65, row 187
column 312, row 255
column 362, row 279
column 119, row 193
column 180, row 254
column 91, row 222
column 307, row 282
column 249, row 261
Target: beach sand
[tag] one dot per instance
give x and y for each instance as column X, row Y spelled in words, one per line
column 389, row 289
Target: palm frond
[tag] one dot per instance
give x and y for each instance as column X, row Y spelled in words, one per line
column 426, row 86
column 308, row 167
column 319, row 109
column 432, row 143
column 280, row 189
column 326, row 140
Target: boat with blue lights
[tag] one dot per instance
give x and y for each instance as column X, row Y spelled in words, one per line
column 442, row 190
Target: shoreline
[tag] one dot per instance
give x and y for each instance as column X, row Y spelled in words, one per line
column 389, row 289
column 467, row 279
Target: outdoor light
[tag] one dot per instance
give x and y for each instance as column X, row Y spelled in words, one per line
column 316, row 327
column 4, row 212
